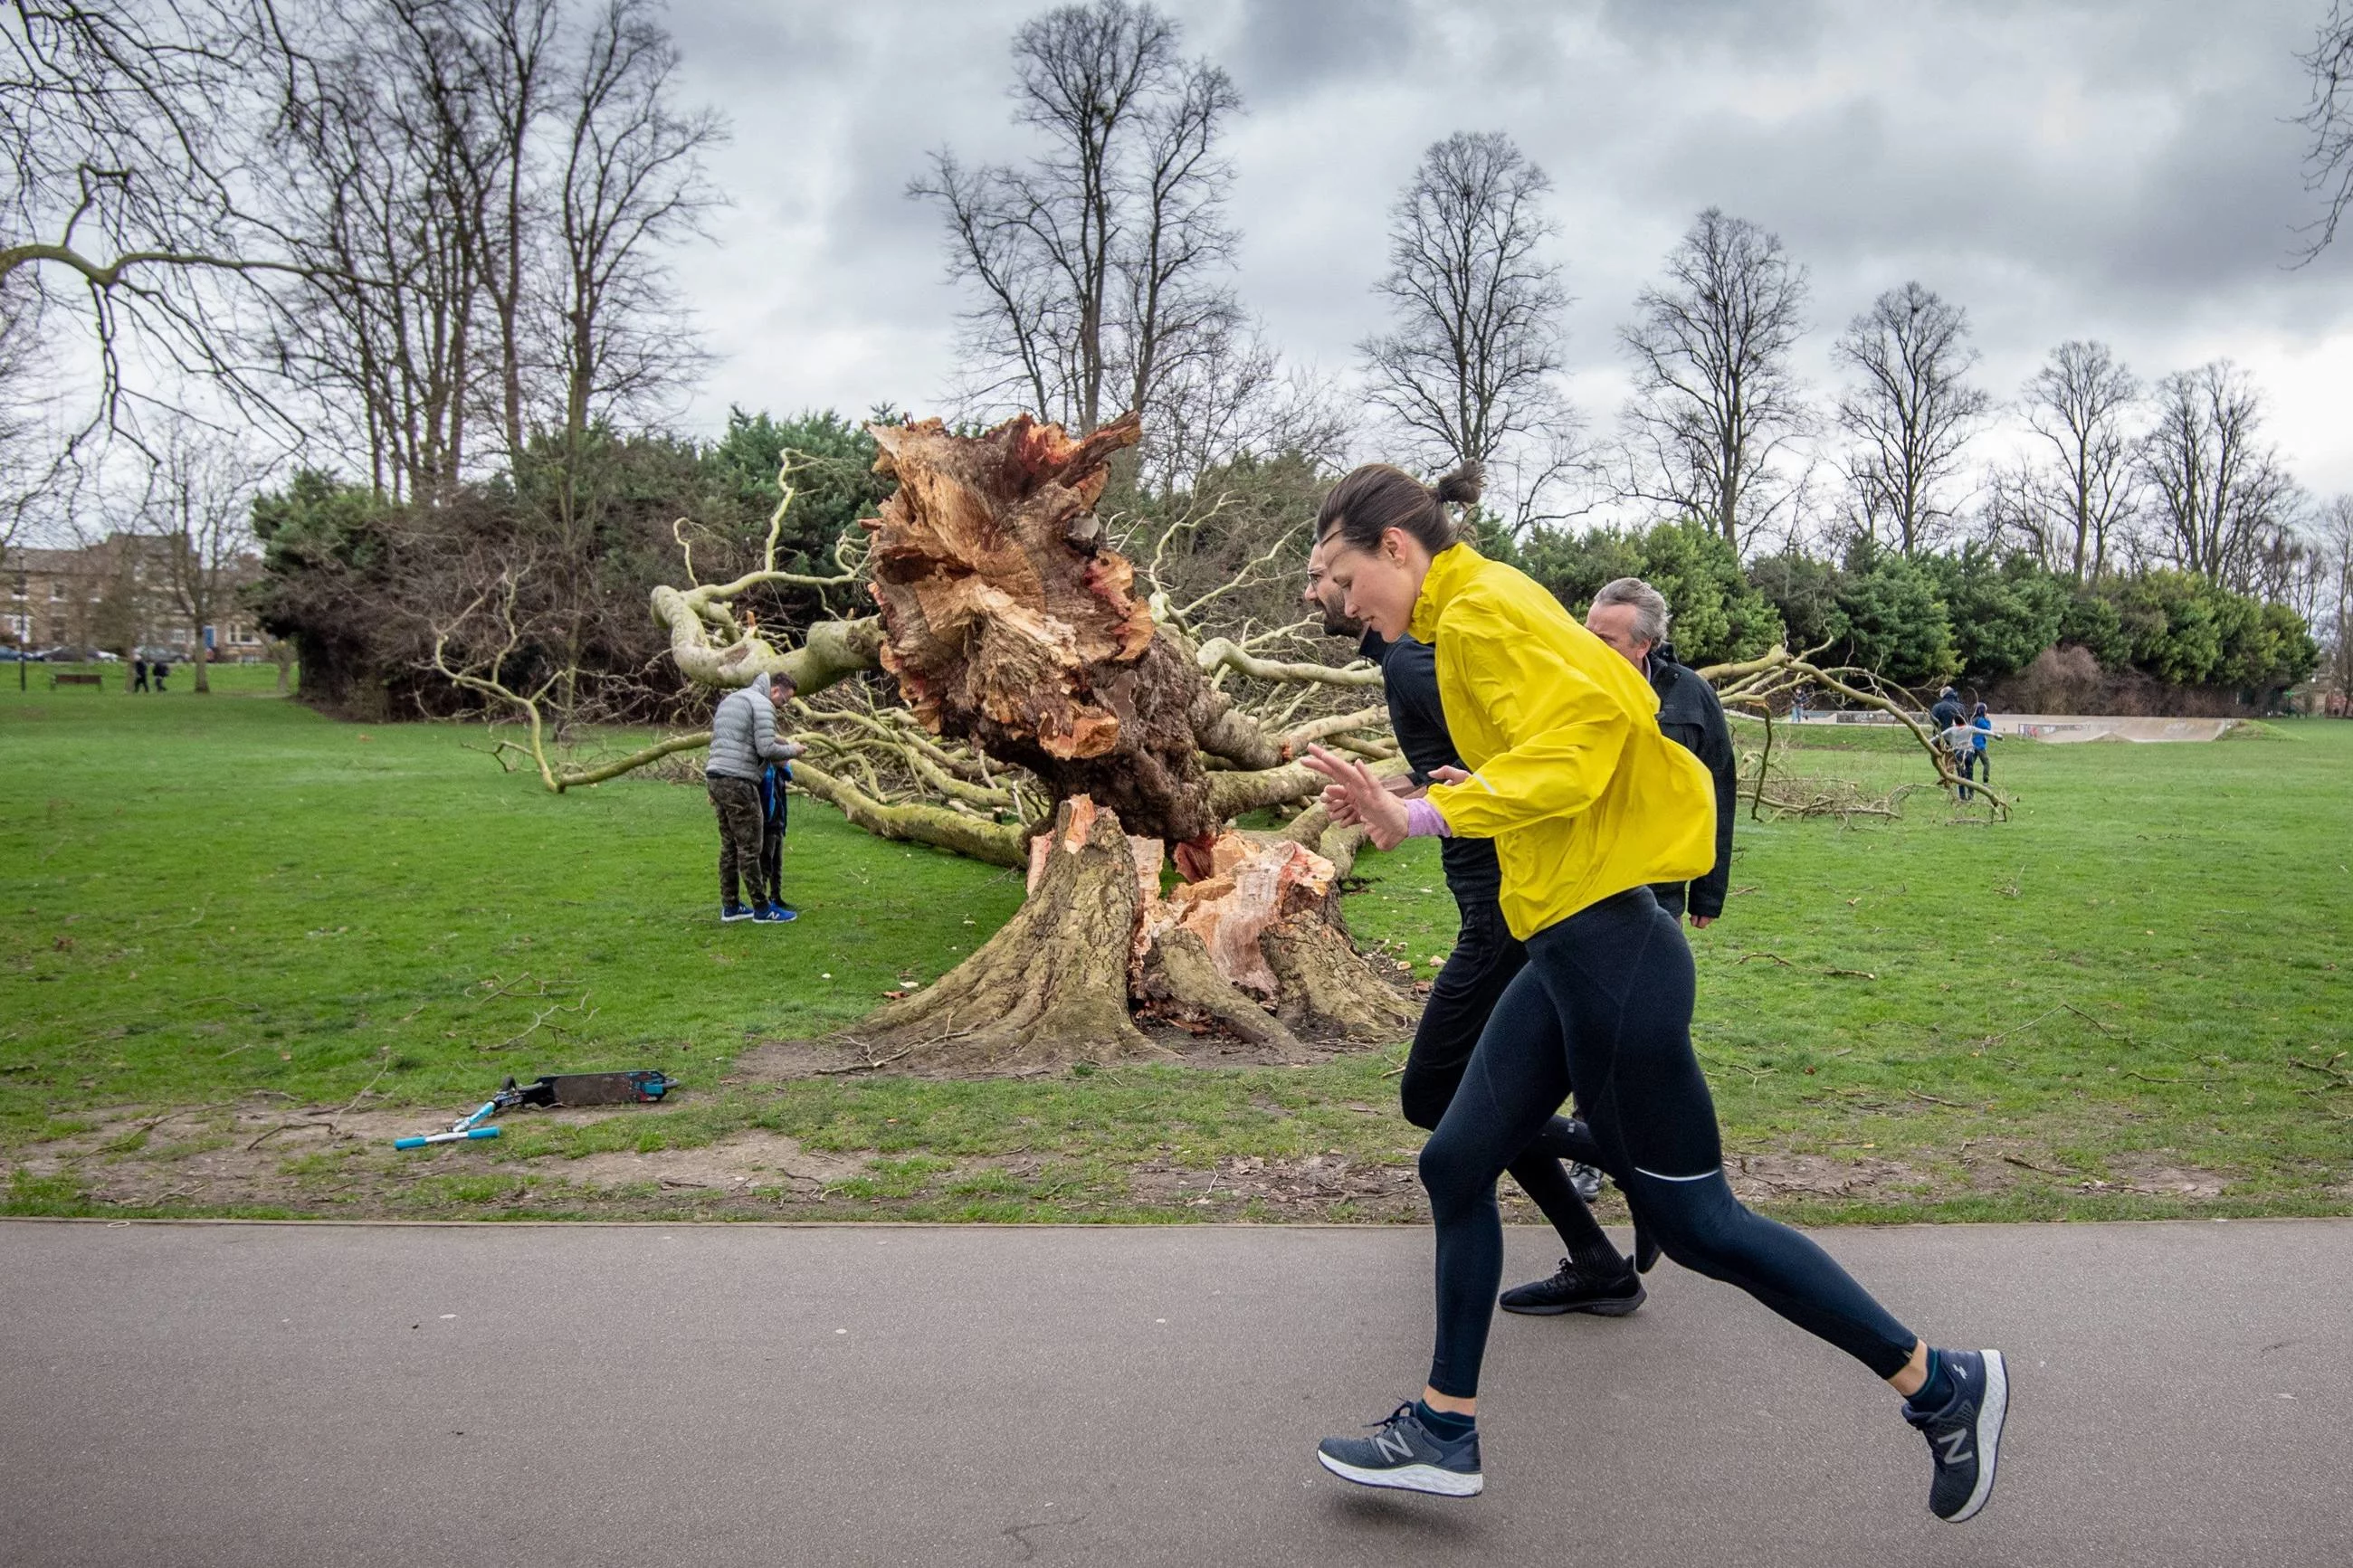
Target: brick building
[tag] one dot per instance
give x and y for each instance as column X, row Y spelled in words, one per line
column 118, row 595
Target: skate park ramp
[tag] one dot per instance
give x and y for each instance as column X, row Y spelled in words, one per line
column 2064, row 728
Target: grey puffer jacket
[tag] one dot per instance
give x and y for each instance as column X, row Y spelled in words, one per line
column 744, row 733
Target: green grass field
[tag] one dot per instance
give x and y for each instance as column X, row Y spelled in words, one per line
column 2130, row 1000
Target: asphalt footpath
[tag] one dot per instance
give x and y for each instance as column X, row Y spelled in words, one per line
column 190, row 1394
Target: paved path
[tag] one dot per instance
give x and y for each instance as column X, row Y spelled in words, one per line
column 666, row 1397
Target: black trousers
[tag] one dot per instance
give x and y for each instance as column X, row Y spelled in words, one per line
column 1605, row 1003
column 1474, row 979
column 771, row 846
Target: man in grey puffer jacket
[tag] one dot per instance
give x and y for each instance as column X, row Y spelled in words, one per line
column 744, row 742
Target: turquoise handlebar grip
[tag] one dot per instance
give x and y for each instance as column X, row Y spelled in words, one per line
column 466, row 1137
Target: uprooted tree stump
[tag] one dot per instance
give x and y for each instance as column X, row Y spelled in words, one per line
column 1255, row 949
column 1010, row 624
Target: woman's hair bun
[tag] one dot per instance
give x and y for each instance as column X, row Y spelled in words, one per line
column 1462, row 487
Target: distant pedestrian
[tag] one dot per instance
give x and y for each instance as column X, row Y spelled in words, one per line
column 139, row 675
column 1948, row 710
column 163, row 672
column 742, row 743
column 1977, row 762
column 772, row 780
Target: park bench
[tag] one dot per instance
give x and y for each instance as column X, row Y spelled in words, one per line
column 67, row 678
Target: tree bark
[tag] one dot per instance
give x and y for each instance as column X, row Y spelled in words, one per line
column 1008, row 623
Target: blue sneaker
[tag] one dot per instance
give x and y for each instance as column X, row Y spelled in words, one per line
column 730, row 912
column 1404, row 1453
column 775, row 914
column 1965, row 1437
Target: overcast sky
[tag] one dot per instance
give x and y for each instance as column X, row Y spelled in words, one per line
column 2126, row 169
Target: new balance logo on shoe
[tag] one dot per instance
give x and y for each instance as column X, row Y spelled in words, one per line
column 1955, row 1442
column 1393, row 1446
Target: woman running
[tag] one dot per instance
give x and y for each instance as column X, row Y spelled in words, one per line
column 1588, row 802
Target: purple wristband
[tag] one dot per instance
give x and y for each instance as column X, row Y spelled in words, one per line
column 1422, row 821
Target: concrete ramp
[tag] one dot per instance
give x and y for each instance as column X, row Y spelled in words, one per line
column 2062, row 728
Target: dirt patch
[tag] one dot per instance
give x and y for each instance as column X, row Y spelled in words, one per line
column 743, row 1161
column 841, row 1055
column 1764, row 1178
column 2147, row 1174
column 259, row 1154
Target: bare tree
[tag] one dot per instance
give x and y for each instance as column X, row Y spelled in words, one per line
column 1231, row 395
column 1911, row 415
column 1096, row 267
column 1716, row 400
column 632, row 181
column 129, row 177
column 1467, row 367
column 384, row 164
column 198, row 499
column 2329, row 115
column 2333, row 549
column 2074, row 504
column 2220, row 495
column 515, row 45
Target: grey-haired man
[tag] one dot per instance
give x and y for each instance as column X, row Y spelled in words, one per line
column 1632, row 617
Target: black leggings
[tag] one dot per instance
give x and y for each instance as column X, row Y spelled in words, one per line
column 1606, row 1002
column 1475, row 976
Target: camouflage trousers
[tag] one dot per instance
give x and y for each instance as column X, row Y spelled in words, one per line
column 737, row 802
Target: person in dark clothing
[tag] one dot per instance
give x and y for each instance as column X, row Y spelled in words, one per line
column 1595, row 1277
column 774, row 777
column 139, row 675
column 1632, row 618
column 162, row 668
column 1948, row 710
column 1588, row 801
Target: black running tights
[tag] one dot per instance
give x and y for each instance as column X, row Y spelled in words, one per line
column 1606, row 1002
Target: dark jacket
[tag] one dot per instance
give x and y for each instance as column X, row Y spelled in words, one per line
column 1946, row 714
column 1690, row 716
column 1410, row 683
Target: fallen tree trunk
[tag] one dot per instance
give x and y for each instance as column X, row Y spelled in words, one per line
column 1010, row 626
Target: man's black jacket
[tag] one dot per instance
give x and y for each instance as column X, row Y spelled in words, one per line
column 1410, row 683
column 1690, row 716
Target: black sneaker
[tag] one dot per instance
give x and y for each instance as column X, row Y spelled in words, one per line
column 1965, row 1437
column 1572, row 1291
column 1404, row 1453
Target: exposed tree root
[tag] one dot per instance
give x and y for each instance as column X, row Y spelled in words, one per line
column 1252, row 947
column 1048, row 988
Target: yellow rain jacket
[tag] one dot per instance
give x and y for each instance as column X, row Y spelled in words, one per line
column 1570, row 775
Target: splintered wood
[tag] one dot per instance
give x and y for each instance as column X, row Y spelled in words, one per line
column 1008, row 623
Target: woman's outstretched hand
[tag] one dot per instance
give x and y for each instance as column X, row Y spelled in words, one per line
column 1355, row 795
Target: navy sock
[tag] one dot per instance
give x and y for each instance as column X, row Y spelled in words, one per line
column 1444, row 1425
column 1937, row 1391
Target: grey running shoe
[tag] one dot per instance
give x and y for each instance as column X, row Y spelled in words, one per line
column 1587, row 1180
column 1405, row 1455
column 1572, row 1291
column 1965, row 1437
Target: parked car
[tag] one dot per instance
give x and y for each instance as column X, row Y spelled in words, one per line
column 23, row 656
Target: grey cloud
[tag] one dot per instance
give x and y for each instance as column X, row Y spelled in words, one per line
column 1282, row 50
column 2119, row 168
